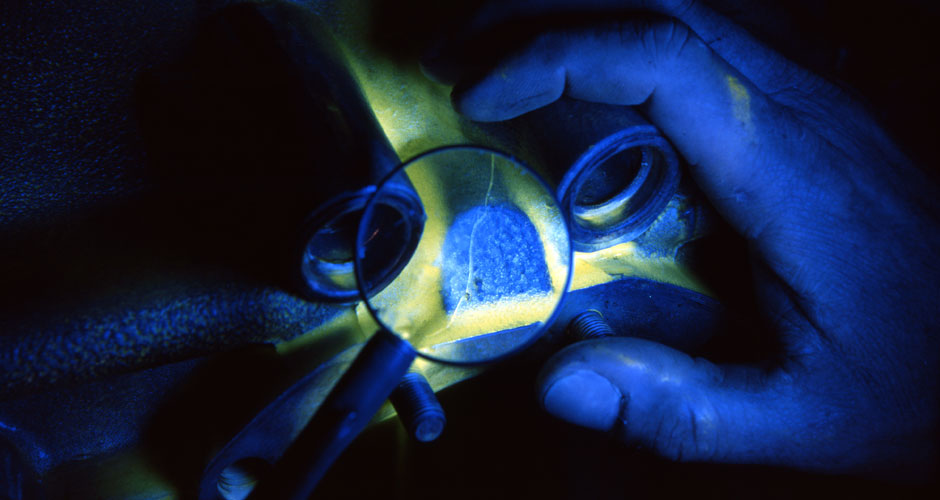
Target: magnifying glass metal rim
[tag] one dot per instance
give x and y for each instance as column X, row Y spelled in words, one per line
column 362, row 235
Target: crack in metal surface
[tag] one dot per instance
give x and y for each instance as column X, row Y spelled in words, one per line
column 473, row 231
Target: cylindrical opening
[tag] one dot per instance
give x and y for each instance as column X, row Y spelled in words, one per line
column 613, row 179
column 615, row 191
column 238, row 479
column 613, row 188
column 330, row 239
column 328, row 256
column 393, row 236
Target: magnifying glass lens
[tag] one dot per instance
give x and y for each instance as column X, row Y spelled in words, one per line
column 476, row 274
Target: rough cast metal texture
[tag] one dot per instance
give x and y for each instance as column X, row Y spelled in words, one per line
column 111, row 262
column 490, row 269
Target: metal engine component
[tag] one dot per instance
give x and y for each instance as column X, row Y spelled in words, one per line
column 589, row 325
column 190, row 362
column 615, row 171
column 418, row 407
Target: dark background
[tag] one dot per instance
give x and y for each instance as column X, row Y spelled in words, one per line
column 69, row 142
column 499, row 444
column 71, row 156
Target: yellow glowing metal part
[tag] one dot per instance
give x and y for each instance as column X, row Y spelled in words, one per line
column 416, row 115
column 126, row 474
column 346, row 325
column 414, row 112
column 603, row 215
column 626, row 260
column 426, row 302
column 425, row 322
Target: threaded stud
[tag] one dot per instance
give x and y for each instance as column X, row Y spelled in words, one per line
column 418, row 407
column 589, row 325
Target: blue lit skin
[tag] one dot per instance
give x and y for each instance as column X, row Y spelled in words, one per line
column 844, row 235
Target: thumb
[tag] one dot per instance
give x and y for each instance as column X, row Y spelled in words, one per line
column 662, row 399
column 733, row 135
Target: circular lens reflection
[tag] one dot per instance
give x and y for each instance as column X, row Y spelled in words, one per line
column 488, row 268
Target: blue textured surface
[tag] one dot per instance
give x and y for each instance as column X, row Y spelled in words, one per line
column 147, row 325
column 136, row 229
column 492, row 253
column 69, row 141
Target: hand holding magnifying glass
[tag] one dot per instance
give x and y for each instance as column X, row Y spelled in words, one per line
column 488, row 259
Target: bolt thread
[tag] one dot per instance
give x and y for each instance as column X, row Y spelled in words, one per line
column 589, row 325
column 418, row 407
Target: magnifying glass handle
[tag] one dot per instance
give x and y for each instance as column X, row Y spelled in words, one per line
column 348, row 408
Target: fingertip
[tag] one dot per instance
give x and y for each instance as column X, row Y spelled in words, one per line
column 508, row 92
column 640, row 387
column 469, row 101
column 584, row 398
column 464, row 102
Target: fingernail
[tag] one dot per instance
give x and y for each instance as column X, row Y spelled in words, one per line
column 583, row 398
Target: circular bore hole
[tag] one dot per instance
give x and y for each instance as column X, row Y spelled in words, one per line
column 387, row 244
column 328, row 259
column 238, row 479
column 614, row 189
column 333, row 242
column 612, row 177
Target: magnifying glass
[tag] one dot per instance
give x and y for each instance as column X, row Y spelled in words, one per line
column 477, row 278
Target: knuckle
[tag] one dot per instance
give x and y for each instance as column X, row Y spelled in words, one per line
column 688, row 433
column 665, row 40
column 670, row 442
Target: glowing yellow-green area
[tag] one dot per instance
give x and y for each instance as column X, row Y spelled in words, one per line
column 599, row 217
column 414, row 111
column 412, row 305
column 128, row 475
column 426, row 305
column 416, row 115
column 347, row 325
column 741, row 103
column 627, row 260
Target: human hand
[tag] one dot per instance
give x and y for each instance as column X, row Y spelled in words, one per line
column 843, row 230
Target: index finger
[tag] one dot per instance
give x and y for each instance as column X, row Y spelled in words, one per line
column 764, row 67
column 763, row 170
